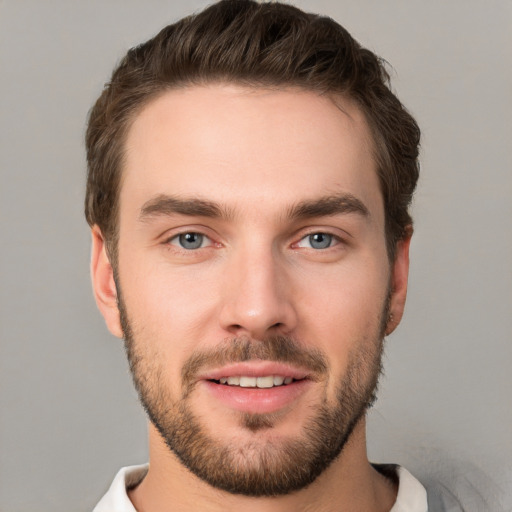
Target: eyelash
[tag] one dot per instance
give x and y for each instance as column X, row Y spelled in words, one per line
column 177, row 237
column 332, row 242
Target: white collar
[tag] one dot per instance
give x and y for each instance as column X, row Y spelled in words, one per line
column 116, row 499
column 412, row 496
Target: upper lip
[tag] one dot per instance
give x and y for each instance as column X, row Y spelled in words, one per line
column 255, row 369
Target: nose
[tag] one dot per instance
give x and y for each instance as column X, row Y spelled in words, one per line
column 257, row 296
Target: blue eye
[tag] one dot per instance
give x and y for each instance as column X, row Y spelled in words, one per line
column 317, row 241
column 190, row 241
column 320, row 240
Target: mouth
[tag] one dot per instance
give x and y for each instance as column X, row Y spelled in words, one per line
column 257, row 387
column 261, row 382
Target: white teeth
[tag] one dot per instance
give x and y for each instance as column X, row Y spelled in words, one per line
column 278, row 380
column 248, row 382
column 267, row 381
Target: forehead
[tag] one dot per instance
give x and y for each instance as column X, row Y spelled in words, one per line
column 243, row 145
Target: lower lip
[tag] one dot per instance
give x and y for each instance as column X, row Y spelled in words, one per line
column 258, row 400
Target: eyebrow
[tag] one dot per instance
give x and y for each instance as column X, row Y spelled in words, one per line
column 328, row 206
column 165, row 205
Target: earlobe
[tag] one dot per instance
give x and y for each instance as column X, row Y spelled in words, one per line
column 103, row 283
column 399, row 277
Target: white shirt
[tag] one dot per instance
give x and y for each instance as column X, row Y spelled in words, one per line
column 411, row 497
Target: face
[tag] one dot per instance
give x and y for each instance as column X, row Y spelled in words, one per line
column 253, row 281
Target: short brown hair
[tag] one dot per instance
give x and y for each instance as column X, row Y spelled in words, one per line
column 255, row 44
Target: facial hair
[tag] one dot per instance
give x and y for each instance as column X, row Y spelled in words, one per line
column 257, row 468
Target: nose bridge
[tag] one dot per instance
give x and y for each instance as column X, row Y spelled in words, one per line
column 257, row 297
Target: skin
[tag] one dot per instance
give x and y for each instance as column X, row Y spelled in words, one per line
column 256, row 154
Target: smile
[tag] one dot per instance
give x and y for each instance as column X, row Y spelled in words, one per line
column 267, row 381
column 256, row 386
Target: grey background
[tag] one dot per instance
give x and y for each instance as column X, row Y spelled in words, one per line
column 69, row 417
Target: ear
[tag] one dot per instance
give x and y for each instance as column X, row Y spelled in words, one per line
column 104, row 286
column 399, row 276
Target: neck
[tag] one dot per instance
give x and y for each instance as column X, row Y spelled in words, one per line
column 349, row 483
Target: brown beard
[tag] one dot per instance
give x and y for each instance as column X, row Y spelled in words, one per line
column 259, row 468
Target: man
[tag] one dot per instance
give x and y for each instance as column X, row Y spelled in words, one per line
column 249, row 179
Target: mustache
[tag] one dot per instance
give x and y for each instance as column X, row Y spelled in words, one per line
column 282, row 349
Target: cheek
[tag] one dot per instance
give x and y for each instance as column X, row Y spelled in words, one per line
column 171, row 309
column 342, row 311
